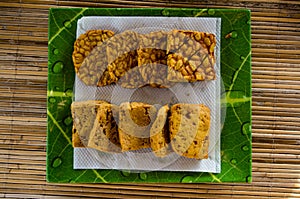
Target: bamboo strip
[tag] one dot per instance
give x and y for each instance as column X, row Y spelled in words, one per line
column 274, row 125
column 38, row 104
column 271, row 170
column 275, row 136
column 20, row 113
column 28, row 53
column 18, row 61
column 22, row 95
column 280, row 191
column 27, row 124
column 14, row 81
column 35, row 91
column 277, row 51
column 30, row 29
column 22, row 33
column 7, row 73
column 275, row 86
column 16, row 195
column 287, row 76
column 288, row 161
column 71, row 193
column 270, row 94
column 29, row 105
column 31, row 171
column 274, row 165
column 273, row 110
column 27, row 12
column 257, row 26
column 8, row 128
column 274, row 145
column 275, row 81
column 32, row 178
column 273, row 30
column 210, row 194
column 21, row 161
column 276, row 45
column 274, row 141
column 238, row 186
column 274, row 149
column 8, row 139
column 11, row 92
column 22, row 166
column 277, row 175
column 275, row 19
column 275, row 55
column 275, row 131
column 274, row 118
column 24, row 111
column 293, row 152
column 280, row 157
column 22, row 145
column 25, row 20
column 157, row 3
column 25, row 137
column 276, row 26
column 25, row 59
column 273, row 101
column 276, row 109
column 29, row 66
column 25, row 119
column 275, row 67
column 14, row 144
column 28, row 47
column 276, row 113
column 31, row 77
column 277, row 37
column 24, row 37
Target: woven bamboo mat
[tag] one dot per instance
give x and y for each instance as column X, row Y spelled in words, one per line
column 276, row 104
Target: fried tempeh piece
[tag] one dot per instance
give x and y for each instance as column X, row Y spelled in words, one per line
column 104, row 135
column 121, row 52
column 135, row 120
column 152, row 58
column 90, row 61
column 190, row 56
column 159, row 133
column 189, row 130
column 83, row 114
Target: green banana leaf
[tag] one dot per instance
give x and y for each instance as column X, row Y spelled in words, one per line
column 236, row 153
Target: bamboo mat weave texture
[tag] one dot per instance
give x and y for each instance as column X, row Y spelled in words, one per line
column 276, row 104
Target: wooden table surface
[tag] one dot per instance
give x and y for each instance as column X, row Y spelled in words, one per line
column 276, row 104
